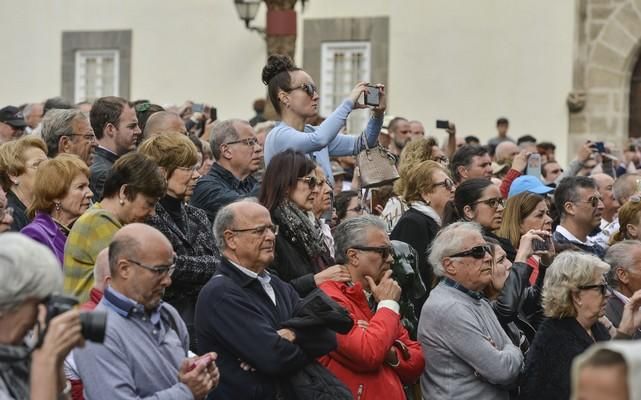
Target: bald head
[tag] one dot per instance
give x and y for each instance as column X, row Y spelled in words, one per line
column 101, row 272
column 164, row 122
column 505, row 151
column 136, row 241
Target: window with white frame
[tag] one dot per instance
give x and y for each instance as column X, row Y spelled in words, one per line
column 96, row 74
column 342, row 65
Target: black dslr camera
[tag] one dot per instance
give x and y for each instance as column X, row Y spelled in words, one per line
column 93, row 323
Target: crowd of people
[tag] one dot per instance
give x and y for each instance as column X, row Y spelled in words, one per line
column 236, row 259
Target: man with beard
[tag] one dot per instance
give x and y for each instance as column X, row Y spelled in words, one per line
column 115, row 124
column 238, row 155
column 401, row 134
column 580, row 207
column 69, row 131
column 145, row 350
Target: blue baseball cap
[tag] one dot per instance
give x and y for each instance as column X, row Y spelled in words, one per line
column 528, row 183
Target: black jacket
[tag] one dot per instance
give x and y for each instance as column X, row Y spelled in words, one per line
column 236, row 318
column 102, row 163
column 549, row 360
column 20, row 219
column 196, row 258
column 418, row 230
column 219, row 188
column 614, row 312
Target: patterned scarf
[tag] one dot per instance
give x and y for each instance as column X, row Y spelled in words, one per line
column 14, row 371
column 297, row 227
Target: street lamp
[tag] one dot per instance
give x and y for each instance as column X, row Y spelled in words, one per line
column 247, row 10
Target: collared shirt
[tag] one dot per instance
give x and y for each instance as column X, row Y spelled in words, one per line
column 621, row 296
column 453, row 284
column 126, row 307
column 264, row 278
column 607, row 230
column 569, row 236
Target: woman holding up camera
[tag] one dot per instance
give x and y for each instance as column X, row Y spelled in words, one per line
column 295, row 98
column 30, row 273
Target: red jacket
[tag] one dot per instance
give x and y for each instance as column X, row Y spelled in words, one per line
column 359, row 360
column 76, row 384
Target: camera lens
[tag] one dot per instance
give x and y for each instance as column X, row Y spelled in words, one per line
column 93, row 325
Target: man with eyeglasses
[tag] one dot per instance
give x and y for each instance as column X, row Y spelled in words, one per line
column 609, row 219
column 69, row 131
column 580, row 208
column 624, row 278
column 376, row 357
column 145, row 352
column 241, row 309
column 238, row 155
column 458, row 327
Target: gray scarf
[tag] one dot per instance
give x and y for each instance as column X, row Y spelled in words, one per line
column 14, row 371
column 296, row 226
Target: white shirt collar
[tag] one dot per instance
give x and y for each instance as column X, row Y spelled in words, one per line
column 568, row 235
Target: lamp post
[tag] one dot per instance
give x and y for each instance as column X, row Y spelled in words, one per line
column 247, row 10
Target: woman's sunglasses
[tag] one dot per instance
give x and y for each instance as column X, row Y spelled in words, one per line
column 477, row 252
column 603, row 288
column 308, row 88
column 312, row 181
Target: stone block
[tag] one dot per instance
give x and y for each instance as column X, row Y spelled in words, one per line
column 615, row 37
column 630, row 20
column 595, row 30
column 607, row 57
column 598, row 124
column 600, row 12
column 578, row 124
column 601, row 78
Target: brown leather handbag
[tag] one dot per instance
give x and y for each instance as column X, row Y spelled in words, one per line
column 376, row 165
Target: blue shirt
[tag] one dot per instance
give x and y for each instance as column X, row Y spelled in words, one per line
column 141, row 354
column 323, row 141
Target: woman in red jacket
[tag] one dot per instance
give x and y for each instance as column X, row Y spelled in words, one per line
column 377, row 356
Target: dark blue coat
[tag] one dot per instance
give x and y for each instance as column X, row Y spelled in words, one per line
column 236, row 318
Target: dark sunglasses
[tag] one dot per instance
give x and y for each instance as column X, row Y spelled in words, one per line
column 603, row 288
column 477, row 252
column 448, row 183
column 384, row 251
column 312, row 181
column 308, row 88
column 494, row 202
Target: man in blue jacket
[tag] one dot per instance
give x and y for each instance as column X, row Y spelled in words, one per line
column 240, row 311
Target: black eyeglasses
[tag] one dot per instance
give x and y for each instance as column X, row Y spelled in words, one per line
column 603, row 288
column 593, row 201
column 312, row 181
column 477, row 252
column 160, row 270
column 259, row 230
column 494, row 202
column 308, row 88
column 250, row 142
column 448, row 183
column 384, row 251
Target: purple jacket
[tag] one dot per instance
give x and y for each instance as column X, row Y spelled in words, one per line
column 43, row 229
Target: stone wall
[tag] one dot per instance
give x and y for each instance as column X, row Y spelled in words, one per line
column 607, row 42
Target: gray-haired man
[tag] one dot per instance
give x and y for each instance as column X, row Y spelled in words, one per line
column 238, row 155
column 624, row 278
column 458, row 328
column 69, row 131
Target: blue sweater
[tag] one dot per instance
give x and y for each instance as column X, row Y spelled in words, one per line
column 323, row 141
column 141, row 354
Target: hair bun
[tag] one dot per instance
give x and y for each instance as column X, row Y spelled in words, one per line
column 276, row 64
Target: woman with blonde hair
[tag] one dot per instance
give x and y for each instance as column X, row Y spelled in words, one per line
column 61, row 194
column 414, row 152
column 629, row 221
column 428, row 190
column 575, row 294
column 19, row 161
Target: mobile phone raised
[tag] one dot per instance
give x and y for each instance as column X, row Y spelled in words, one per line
column 442, row 124
column 197, row 107
column 534, row 165
column 372, row 97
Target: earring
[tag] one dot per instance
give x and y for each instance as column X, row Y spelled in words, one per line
column 122, row 202
column 17, row 182
column 58, row 207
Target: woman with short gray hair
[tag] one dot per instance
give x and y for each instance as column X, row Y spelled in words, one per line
column 574, row 297
column 29, row 274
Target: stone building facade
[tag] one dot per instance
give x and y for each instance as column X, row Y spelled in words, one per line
column 605, row 99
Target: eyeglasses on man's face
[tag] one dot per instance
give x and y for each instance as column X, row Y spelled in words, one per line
column 88, row 136
column 592, row 201
column 249, row 142
column 477, row 252
column 258, row 230
column 160, row 270
column 384, row 251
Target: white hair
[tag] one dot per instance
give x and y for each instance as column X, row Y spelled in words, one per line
column 449, row 241
column 28, row 270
